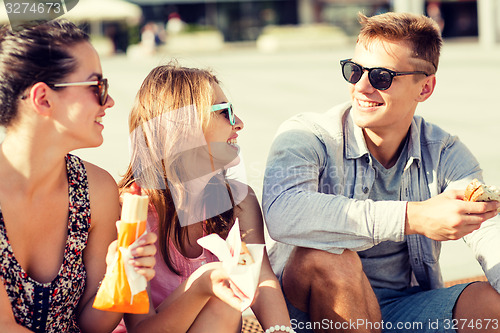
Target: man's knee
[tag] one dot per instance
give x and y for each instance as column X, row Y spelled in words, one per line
column 326, row 269
column 478, row 297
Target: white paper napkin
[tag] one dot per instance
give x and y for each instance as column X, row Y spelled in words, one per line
column 244, row 278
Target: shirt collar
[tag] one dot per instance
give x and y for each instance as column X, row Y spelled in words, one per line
column 355, row 144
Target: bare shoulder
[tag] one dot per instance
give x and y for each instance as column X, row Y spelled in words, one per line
column 99, row 178
column 104, row 199
column 250, row 198
column 249, row 203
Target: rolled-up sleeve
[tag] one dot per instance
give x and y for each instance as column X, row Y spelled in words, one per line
column 298, row 213
column 459, row 167
column 485, row 243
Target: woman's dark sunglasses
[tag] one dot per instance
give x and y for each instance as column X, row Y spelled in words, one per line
column 380, row 78
column 101, row 84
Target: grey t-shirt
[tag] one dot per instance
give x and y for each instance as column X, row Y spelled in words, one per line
column 387, row 264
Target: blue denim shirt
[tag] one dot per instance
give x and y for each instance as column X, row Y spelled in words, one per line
column 319, row 175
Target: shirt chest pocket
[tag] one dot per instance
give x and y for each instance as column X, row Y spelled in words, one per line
column 431, row 250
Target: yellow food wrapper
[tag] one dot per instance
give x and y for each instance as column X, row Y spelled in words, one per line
column 123, row 289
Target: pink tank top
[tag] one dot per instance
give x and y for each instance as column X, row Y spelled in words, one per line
column 166, row 281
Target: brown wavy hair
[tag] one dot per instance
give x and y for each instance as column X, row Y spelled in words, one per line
column 420, row 32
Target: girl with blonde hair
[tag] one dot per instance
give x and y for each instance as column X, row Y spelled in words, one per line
column 183, row 136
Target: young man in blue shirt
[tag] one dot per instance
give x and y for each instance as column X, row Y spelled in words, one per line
column 360, row 197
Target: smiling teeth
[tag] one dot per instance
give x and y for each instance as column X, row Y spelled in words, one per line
column 98, row 120
column 232, row 141
column 366, row 104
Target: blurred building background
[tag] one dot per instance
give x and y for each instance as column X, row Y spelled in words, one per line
column 245, row 20
column 182, row 24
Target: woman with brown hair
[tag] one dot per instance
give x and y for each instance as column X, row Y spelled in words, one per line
column 58, row 212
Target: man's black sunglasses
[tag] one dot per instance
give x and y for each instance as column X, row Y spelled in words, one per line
column 380, row 78
column 101, row 84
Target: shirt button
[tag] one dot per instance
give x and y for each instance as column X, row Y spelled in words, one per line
column 365, row 190
column 367, row 159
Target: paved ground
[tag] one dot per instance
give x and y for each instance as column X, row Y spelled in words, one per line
column 268, row 88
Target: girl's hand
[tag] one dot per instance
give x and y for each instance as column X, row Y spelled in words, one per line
column 214, row 281
column 144, row 255
column 112, row 249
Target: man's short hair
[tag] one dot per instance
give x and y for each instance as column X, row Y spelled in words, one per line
column 420, row 32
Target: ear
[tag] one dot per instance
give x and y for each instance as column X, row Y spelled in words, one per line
column 41, row 98
column 427, row 88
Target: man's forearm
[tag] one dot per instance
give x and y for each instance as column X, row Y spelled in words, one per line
column 329, row 222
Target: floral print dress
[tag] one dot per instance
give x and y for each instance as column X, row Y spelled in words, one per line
column 51, row 307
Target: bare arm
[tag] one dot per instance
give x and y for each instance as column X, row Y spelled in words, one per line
column 179, row 311
column 105, row 211
column 7, row 321
column 269, row 305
